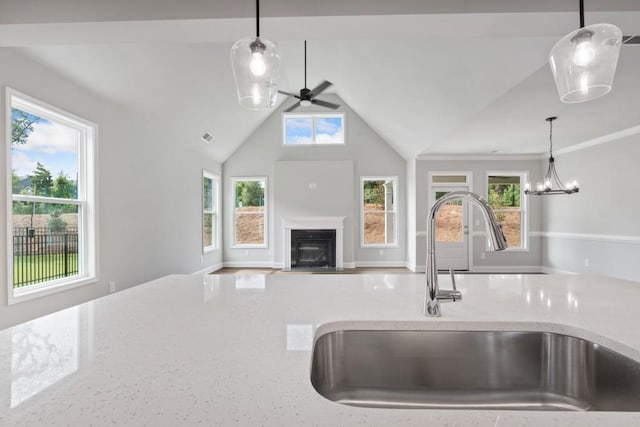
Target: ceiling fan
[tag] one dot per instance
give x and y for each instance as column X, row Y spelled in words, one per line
column 308, row 97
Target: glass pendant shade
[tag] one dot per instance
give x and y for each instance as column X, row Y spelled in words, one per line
column 256, row 70
column 584, row 62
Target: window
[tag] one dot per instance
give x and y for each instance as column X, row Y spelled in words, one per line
column 379, row 211
column 506, row 198
column 313, row 129
column 250, row 214
column 210, row 207
column 52, row 214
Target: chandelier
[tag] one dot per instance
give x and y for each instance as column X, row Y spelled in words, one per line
column 552, row 184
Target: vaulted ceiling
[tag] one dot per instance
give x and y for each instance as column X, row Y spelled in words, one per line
column 454, row 76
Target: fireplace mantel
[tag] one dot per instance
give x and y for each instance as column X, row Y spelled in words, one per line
column 314, row 223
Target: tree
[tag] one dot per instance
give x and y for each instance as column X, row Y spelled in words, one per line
column 63, row 187
column 41, row 181
column 56, row 223
column 374, row 192
column 21, row 126
column 15, row 182
column 250, row 193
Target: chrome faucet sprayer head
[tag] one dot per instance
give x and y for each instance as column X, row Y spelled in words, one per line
column 496, row 235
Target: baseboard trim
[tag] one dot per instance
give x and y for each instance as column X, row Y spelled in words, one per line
column 551, row 270
column 506, row 269
column 248, row 264
column 387, row 264
column 207, row 270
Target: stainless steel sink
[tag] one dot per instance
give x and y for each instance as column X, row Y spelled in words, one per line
column 473, row 370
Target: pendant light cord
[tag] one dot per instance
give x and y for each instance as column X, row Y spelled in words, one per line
column 581, row 13
column 551, row 139
column 258, row 18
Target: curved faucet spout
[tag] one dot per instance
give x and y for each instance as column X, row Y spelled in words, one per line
column 496, row 236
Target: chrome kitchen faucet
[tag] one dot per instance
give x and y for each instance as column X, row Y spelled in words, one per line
column 433, row 295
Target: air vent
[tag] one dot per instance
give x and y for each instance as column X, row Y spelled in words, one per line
column 631, row 40
column 207, row 138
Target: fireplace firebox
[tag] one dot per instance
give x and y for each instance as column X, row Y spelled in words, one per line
column 313, row 249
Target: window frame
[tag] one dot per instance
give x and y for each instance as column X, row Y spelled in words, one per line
column 215, row 210
column 86, row 200
column 396, row 243
column 265, row 223
column 313, row 117
column 524, row 206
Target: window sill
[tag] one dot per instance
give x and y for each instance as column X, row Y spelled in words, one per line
column 250, row 247
column 32, row 292
column 380, row 246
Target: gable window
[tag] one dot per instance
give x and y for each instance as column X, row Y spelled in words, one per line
column 249, row 212
column 313, row 129
column 378, row 215
column 210, row 209
column 505, row 195
column 52, row 198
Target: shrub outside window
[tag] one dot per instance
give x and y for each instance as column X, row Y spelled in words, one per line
column 379, row 211
column 52, row 198
column 249, row 212
column 505, row 195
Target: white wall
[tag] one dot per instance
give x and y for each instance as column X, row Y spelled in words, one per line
column 294, row 198
column 149, row 192
column 370, row 155
column 596, row 231
column 494, row 261
column 411, row 214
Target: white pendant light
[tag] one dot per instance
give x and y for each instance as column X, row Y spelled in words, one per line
column 256, row 69
column 584, row 62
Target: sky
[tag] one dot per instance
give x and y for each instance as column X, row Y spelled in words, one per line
column 52, row 144
column 299, row 130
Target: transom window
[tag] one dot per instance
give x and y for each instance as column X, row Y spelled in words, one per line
column 52, row 202
column 313, row 129
column 378, row 203
column 249, row 212
column 505, row 196
column 210, row 209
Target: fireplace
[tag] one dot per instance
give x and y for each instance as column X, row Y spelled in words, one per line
column 321, row 245
column 313, row 249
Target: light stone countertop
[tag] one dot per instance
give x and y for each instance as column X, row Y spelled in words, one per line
column 236, row 349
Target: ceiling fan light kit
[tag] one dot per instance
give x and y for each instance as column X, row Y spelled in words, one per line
column 256, row 69
column 307, row 97
column 584, row 61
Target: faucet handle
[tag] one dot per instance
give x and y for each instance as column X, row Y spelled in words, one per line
column 445, row 295
column 453, row 279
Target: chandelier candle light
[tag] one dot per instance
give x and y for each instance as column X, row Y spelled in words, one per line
column 584, row 61
column 552, row 184
column 256, row 69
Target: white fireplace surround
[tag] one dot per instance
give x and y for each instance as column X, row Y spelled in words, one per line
column 314, row 223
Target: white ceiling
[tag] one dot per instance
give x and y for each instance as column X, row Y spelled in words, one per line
column 428, row 76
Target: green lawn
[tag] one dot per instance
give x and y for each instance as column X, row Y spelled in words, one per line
column 31, row 269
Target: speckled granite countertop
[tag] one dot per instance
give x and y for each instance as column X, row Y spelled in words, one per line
column 236, row 349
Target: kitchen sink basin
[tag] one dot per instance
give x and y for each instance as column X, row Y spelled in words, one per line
column 500, row 370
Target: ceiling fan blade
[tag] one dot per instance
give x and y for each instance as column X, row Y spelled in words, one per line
column 288, row 94
column 325, row 104
column 293, row 107
column 320, row 88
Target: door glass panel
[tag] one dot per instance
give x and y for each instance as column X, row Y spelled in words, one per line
column 449, row 220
